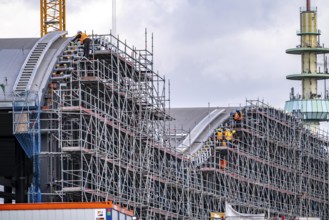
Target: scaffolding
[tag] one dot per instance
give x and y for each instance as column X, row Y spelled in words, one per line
column 109, row 137
column 26, row 128
column 275, row 165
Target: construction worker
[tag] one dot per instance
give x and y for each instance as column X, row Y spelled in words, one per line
column 237, row 117
column 85, row 40
column 228, row 134
column 240, row 115
column 220, row 136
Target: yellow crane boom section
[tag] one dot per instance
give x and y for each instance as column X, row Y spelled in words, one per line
column 52, row 16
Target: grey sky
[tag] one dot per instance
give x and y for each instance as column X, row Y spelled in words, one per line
column 212, row 51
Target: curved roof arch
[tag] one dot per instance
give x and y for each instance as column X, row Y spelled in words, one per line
column 195, row 125
column 23, row 64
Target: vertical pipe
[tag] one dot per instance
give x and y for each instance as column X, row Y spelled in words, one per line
column 145, row 39
column 41, row 18
column 308, row 5
column 114, row 15
column 63, row 13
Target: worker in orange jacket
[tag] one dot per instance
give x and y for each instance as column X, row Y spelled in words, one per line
column 237, row 117
column 85, row 40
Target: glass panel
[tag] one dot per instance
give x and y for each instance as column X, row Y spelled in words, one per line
column 319, row 106
column 302, row 106
column 309, row 106
column 324, row 107
column 327, row 105
column 295, row 105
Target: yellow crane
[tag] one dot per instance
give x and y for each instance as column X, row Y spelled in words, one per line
column 52, row 16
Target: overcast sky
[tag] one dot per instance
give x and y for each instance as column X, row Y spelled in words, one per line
column 220, row 52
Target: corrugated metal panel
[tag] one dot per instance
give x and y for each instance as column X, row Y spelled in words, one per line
column 115, row 215
column 13, row 52
column 4, row 215
column 122, row 216
column 43, row 214
column 10, row 64
column 67, row 214
column 17, row 43
column 188, row 118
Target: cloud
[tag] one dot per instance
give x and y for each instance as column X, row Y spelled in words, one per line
column 17, row 21
column 211, row 50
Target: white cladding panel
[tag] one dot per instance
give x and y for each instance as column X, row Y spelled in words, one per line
column 61, row 214
column 115, row 215
column 122, row 216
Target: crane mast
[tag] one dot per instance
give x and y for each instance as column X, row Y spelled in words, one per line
column 52, row 16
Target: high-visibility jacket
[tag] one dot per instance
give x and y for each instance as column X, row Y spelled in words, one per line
column 219, row 135
column 83, row 37
column 228, row 135
column 240, row 115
